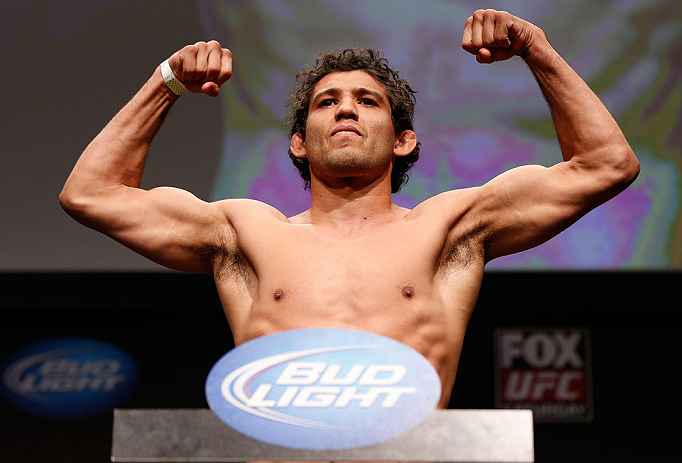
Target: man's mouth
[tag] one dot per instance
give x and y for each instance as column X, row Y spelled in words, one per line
column 345, row 129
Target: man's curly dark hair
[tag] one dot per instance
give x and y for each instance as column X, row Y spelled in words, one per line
column 400, row 96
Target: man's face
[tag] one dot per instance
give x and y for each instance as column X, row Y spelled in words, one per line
column 349, row 131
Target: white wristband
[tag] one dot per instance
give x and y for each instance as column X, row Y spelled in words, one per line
column 174, row 84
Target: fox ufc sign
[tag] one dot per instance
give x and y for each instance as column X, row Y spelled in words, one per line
column 546, row 370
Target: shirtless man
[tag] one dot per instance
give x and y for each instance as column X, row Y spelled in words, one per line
column 354, row 259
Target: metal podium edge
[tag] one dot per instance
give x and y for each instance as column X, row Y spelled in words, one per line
column 198, row 435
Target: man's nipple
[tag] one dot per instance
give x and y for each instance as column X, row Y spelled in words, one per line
column 408, row 292
column 278, row 295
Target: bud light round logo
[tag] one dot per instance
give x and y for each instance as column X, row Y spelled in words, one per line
column 322, row 389
column 68, row 378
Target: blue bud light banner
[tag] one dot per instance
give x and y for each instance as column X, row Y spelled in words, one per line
column 68, row 378
column 323, row 389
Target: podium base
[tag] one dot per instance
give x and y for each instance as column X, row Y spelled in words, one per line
column 198, row 435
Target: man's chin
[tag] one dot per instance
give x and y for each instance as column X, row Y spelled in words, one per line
column 349, row 168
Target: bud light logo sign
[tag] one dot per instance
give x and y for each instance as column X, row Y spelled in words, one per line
column 323, row 389
column 68, row 378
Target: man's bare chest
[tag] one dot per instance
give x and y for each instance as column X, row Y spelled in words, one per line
column 307, row 254
column 384, row 280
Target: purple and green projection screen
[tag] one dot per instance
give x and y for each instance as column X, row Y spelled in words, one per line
column 474, row 121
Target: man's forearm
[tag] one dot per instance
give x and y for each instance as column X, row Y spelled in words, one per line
column 586, row 130
column 588, row 135
column 117, row 155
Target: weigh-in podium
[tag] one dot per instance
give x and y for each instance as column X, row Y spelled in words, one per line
column 198, row 435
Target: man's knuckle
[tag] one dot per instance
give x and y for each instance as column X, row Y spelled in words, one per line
column 188, row 64
column 187, row 52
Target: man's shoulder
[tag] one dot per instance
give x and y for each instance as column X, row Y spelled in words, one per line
column 447, row 202
column 251, row 208
column 454, row 214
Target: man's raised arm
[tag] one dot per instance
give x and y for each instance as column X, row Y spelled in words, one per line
column 167, row 225
column 528, row 205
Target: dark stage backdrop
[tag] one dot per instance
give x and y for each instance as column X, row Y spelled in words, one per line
column 173, row 328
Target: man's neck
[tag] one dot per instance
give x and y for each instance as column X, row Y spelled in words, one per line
column 347, row 206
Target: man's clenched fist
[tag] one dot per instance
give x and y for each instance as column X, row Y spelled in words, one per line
column 202, row 67
column 493, row 35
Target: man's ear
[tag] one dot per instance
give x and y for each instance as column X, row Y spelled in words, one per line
column 405, row 143
column 297, row 145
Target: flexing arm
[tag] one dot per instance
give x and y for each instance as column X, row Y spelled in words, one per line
column 167, row 225
column 528, row 205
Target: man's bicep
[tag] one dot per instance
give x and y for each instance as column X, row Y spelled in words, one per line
column 170, row 226
column 526, row 206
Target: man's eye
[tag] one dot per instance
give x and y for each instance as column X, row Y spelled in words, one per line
column 327, row 102
column 368, row 102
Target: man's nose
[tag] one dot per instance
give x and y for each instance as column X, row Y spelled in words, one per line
column 347, row 109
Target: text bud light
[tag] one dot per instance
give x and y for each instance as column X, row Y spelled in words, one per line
column 323, row 389
column 69, row 378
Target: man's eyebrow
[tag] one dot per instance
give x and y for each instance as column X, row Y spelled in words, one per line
column 333, row 91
